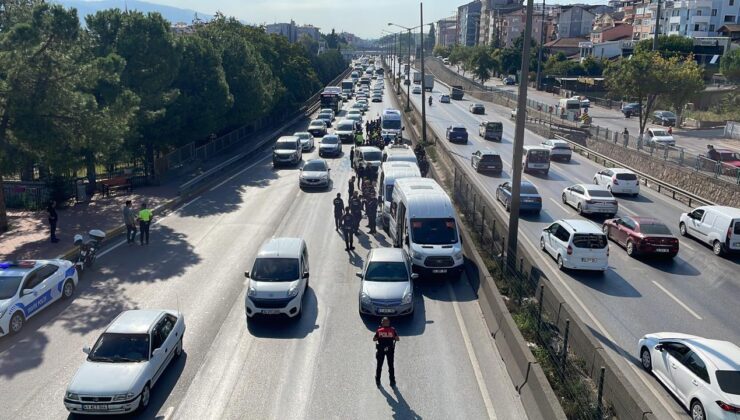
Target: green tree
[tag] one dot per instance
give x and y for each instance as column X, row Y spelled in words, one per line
column 668, row 45
column 481, row 62
column 460, row 57
column 684, row 76
column 442, row 51
column 431, row 38
column 730, row 65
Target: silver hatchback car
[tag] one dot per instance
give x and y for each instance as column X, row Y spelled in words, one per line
column 387, row 287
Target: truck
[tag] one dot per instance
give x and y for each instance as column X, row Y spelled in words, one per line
column 348, row 87
column 417, row 78
column 457, row 93
column 428, row 82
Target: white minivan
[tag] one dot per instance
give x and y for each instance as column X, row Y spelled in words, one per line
column 576, row 244
column 536, row 159
column 423, row 222
column 278, row 279
column 389, row 173
column 718, row 226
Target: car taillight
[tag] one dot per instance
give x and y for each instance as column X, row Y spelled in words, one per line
column 729, row 233
column 538, row 199
column 727, row 407
column 607, row 250
column 614, row 180
column 570, row 250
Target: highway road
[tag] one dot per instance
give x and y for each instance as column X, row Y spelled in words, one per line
column 320, row 366
column 695, row 293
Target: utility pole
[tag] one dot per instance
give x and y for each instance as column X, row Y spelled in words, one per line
column 516, row 163
column 542, row 47
column 408, row 75
column 657, row 28
column 423, row 85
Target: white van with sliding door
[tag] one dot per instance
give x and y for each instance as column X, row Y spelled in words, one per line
column 423, row 222
column 536, row 159
column 389, row 173
column 718, row 226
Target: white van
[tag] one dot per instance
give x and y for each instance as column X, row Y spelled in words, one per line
column 399, row 153
column 390, row 121
column 718, row 226
column 423, row 222
column 389, row 173
column 278, row 279
column 536, row 159
column 576, row 244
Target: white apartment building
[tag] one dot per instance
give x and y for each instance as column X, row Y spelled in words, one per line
column 700, row 18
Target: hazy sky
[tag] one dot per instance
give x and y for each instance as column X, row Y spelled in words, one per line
column 365, row 18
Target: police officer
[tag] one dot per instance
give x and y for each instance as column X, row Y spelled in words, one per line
column 338, row 210
column 423, row 166
column 145, row 220
column 348, row 225
column 352, row 157
column 355, row 206
column 371, row 209
column 351, row 185
column 360, row 170
column 385, row 338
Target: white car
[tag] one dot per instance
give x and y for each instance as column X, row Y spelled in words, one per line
column 126, row 362
column 307, row 140
column 328, row 111
column 587, row 199
column 576, row 244
column 364, row 104
column 416, row 90
column 702, row 373
column 618, row 181
column 559, row 149
column 315, row 173
column 718, row 226
column 354, row 115
column 27, row 287
column 658, row 137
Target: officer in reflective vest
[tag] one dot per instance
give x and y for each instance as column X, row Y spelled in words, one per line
column 385, row 339
column 145, row 220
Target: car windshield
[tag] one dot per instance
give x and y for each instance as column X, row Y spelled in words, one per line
column 315, row 166
column 386, row 271
column 667, row 114
column 9, row 286
column 345, row 127
column 286, row 145
column 528, row 189
column 589, row 240
column 490, row 158
column 660, row 133
column 275, row 269
column 654, row 229
column 372, row 156
column 729, row 381
column 599, row 193
column 627, row 177
column 458, row 129
column 117, row 348
column 433, row 231
column 538, row 156
column 330, row 140
column 391, row 124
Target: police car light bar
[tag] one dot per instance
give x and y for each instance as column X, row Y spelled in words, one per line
column 4, row 265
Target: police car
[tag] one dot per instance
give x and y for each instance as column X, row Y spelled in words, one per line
column 27, row 287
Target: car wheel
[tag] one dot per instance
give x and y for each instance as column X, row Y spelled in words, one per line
column 717, row 248
column 646, row 360
column 630, row 249
column 579, row 209
column 561, row 267
column 682, row 229
column 68, row 289
column 565, row 200
column 16, row 322
column 178, row 348
column 144, row 401
column 697, row 411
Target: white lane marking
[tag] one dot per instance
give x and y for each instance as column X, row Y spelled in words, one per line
column 111, row 248
column 239, row 173
column 471, row 355
column 672, row 296
column 559, row 205
column 168, row 413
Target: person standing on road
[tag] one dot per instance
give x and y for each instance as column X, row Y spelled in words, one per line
column 423, row 166
column 360, row 173
column 129, row 219
column 352, row 157
column 355, row 206
column 338, row 210
column 53, row 218
column 371, row 209
column 351, row 187
column 385, row 338
column 145, row 220
column 348, row 224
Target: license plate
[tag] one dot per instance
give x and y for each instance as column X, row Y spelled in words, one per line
column 270, row 311
column 591, row 260
column 386, row 311
column 662, row 250
column 96, row 407
column 439, row 271
column 736, row 244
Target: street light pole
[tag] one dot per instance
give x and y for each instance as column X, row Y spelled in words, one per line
column 516, row 164
column 657, row 28
column 408, row 75
column 423, row 85
column 542, row 47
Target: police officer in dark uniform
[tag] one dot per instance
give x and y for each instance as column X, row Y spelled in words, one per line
column 385, row 338
column 352, row 157
column 348, row 225
column 360, row 170
column 338, row 210
column 423, row 166
column 355, row 207
column 351, row 187
column 371, row 209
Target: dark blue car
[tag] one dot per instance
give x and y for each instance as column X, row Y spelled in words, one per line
column 457, row 133
column 529, row 199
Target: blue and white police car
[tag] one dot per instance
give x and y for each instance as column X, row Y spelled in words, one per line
column 27, row 287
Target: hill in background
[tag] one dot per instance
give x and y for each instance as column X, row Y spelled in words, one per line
column 173, row 14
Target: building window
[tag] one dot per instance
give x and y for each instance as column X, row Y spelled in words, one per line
column 698, row 13
column 696, row 28
column 714, row 12
column 711, row 28
column 732, row 2
column 729, row 18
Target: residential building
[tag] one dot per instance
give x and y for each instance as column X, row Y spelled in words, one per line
column 574, row 21
column 567, row 46
column 446, row 34
column 509, row 25
column 468, row 21
column 730, row 31
column 706, row 50
column 607, row 28
column 490, row 9
column 292, row 31
column 309, row 30
column 700, row 18
column 607, row 49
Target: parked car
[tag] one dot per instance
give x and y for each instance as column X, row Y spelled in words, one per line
column 618, row 181
column 387, row 287
column 486, row 161
column 576, row 244
column 666, row 118
column 590, row 199
column 718, row 226
column 330, row 145
column 457, row 133
column 444, row 99
column 559, row 149
column 529, row 198
column 315, row 173
column 416, row 90
column 641, row 235
column 726, row 156
column 702, row 373
column 658, row 137
column 509, row 81
column 317, row 128
column 630, row 109
column 125, row 362
column 477, row 108
column 307, row 141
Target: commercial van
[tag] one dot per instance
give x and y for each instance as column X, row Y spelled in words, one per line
column 491, row 130
column 423, row 222
column 390, row 121
column 399, row 153
column 536, row 159
column 569, row 108
column 718, row 226
column 389, row 173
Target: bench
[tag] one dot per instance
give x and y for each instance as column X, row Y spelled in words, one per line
column 118, row 183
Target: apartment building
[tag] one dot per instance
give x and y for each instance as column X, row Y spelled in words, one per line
column 468, row 21
column 446, row 34
column 700, row 18
column 509, row 25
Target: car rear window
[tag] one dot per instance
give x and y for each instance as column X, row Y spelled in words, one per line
column 458, row 129
column 496, row 126
column 729, row 381
column 372, row 156
column 599, row 193
column 528, row 189
column 654, row 229
column 589, row 240
column 561, row 146
column 627, row 177
column 736, row 230
column 490, row 158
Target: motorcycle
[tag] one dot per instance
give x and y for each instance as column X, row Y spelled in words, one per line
column 430, row 101
column 88, row 249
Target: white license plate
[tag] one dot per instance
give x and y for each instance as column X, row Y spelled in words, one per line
column 662, row 250
column 439, row 271
column 590, row 260
column 96, row 407
column 537, row 166
column 270, row 311
column 386, row 311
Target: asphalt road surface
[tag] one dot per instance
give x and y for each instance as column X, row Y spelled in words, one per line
column 318, row 367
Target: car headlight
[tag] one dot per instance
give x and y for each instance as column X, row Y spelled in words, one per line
column 124, row 397
column 407, row 298
column 293, row 291
column 458, row 255
column 72, row 396
column 416, row 255
column 251, row 291
column 365, row 299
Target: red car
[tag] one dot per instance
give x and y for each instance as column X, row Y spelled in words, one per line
column 726, row 156
column 642, row 235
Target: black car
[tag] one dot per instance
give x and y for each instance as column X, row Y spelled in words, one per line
column 509, row 81
column 666, row 118
column 477, row 108
column 486, row 161
column 630, row 109
column 457, row 133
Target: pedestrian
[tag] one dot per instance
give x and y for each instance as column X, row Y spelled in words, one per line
column 385, row 338
column 360, row 169
column 371, row 209
column 352, row 157
column 53, row 218
column 347, row 224
column 670, row 131
column 355, row 206
column 145, row 220
column 129, row 219
column 338, row 210
column 423, row 167
column 351, row 185
column 358, row 139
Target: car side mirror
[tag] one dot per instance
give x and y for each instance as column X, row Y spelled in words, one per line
column 305, row 275
column 359, row 274
column 246, row 274
column 27, row 292
column 157, row 352
column 406, row 240
column 86, row 349
column 414, row 276
column 659, row 347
